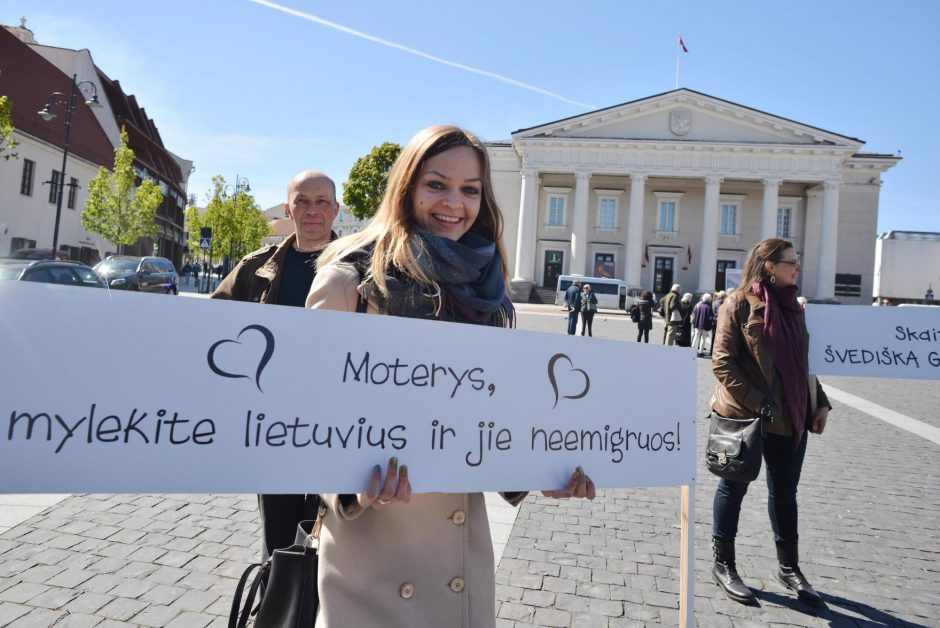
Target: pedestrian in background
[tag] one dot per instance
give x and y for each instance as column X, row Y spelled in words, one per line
column 644, row 316
column 588, row 309
column 671, row 315
column 702, row 321
column 432, row 251
column 716, row 307
column 573, row 302
column 684, row 324
column 761, row 346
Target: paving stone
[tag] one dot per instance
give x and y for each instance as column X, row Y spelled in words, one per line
column 121, row 608
column 70, row 578
column 77, row 620
column 538, row 598
column 516, row 612
column 551, row 617
column 36, row 617
column 131, row 588
column 190, row 620
column 589, row 621
column 22, row 592
column 156, row 615
column 10, row 611
column 54, row 598
column 88, row 602
column 163, row 594
column 194, row 601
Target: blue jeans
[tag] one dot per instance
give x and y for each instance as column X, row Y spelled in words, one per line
column 783, row 464
column 572, row 322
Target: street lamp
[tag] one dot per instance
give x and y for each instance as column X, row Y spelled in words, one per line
column 58, row 98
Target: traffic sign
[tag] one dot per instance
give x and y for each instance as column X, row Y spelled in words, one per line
column 205, row 243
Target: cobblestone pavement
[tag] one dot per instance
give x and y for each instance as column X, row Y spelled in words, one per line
column 869, row 498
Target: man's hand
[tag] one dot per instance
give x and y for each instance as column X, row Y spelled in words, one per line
column 819, row 420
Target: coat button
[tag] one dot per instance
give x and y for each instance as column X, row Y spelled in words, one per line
column 459, row 517
column 456, row 585
column 407, row 590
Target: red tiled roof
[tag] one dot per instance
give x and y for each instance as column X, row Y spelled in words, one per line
column 142, row 134
column 28, row 79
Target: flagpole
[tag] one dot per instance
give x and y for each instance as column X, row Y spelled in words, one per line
column 678, row 52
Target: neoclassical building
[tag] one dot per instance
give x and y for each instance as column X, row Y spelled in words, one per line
column 675, row 188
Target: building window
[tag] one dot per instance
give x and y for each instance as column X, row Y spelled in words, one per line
column 21, row 243
column 73, row 185
column 54, row 185
column 729, row 219
column 26, row 183
column 848, row 285
column 667, row 216
column 783, row 222
column 556, row 211
column 607, row 214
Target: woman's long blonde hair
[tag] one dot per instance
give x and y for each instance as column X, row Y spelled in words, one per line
column 388, row 232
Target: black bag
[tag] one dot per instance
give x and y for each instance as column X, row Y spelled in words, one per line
column 288, row 585
column 635, row 313
column 735, row 447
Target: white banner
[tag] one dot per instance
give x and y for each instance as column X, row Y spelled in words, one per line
column 866, row 341
column 128, row 392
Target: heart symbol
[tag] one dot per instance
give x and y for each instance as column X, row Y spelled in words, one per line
column 265, row 357
column 554, row 380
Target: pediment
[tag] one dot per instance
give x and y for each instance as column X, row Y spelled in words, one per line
column 686, row 116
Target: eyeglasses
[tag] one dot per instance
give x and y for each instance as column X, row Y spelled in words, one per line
column 791, row 262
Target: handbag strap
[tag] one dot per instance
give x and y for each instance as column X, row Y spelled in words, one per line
column 236, row 619
column 315, row 533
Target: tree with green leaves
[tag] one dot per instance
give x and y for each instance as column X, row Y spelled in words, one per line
column 117, row 209
column 7, row 142
column 368, row 177
column 237, row 223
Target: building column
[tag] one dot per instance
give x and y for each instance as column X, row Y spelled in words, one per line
column 768, row 217
column 708, row 255
column 633, row 258
column 828, row 241
column 579, row 224
column 527, row 235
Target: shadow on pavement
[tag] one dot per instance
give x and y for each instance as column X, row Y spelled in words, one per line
column 871, row 617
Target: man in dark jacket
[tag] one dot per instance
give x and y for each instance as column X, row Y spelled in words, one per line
column 281, row 274
column 573, row 301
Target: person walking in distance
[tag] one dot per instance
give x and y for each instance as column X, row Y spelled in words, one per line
column 573, row 302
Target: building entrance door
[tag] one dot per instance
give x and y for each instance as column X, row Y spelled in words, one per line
column 723, row 265
column 662, row 274
column 553, row 264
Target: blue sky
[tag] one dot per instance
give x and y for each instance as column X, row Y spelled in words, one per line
column 243, row 88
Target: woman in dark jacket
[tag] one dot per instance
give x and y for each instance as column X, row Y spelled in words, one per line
column 644, row 323
column 761, row 337
column 588, row 309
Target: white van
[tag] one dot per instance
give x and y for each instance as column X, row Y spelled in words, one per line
column 611, row 293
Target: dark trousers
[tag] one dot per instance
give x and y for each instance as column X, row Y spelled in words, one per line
column 587, row 322
column 643, row 333
column 280, row 515
column 572, row 322
column 783, row 463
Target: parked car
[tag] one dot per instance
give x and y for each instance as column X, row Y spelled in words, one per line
column 38, row 254
column 144, row 274
column 48, row 271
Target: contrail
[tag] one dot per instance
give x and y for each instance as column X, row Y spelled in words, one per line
column 418, row 53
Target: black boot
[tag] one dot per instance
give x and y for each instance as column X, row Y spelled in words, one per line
column 790, row 575
column 726, row 574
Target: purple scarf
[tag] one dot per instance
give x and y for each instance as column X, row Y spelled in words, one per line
column 783, row 333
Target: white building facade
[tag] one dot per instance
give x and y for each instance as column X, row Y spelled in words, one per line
column 676, row 188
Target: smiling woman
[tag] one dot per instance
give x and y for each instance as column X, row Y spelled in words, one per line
column 432, row 251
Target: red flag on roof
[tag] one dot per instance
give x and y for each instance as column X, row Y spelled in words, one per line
column 681, row 43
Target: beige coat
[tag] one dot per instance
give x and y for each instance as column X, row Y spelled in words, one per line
column 744, row 367
column 427, row 563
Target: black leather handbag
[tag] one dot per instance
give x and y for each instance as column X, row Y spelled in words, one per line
column 735, row 447
column 285, row 585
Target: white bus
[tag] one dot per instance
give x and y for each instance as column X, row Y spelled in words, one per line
column 611, row 293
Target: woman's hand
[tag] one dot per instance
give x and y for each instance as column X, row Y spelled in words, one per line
column 395, row 488
column 580, row 485
column 819, row 420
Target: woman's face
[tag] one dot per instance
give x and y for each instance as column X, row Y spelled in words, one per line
column 447, row 193
column 787, row 269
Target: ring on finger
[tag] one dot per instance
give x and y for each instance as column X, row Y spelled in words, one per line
column 385, row 502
